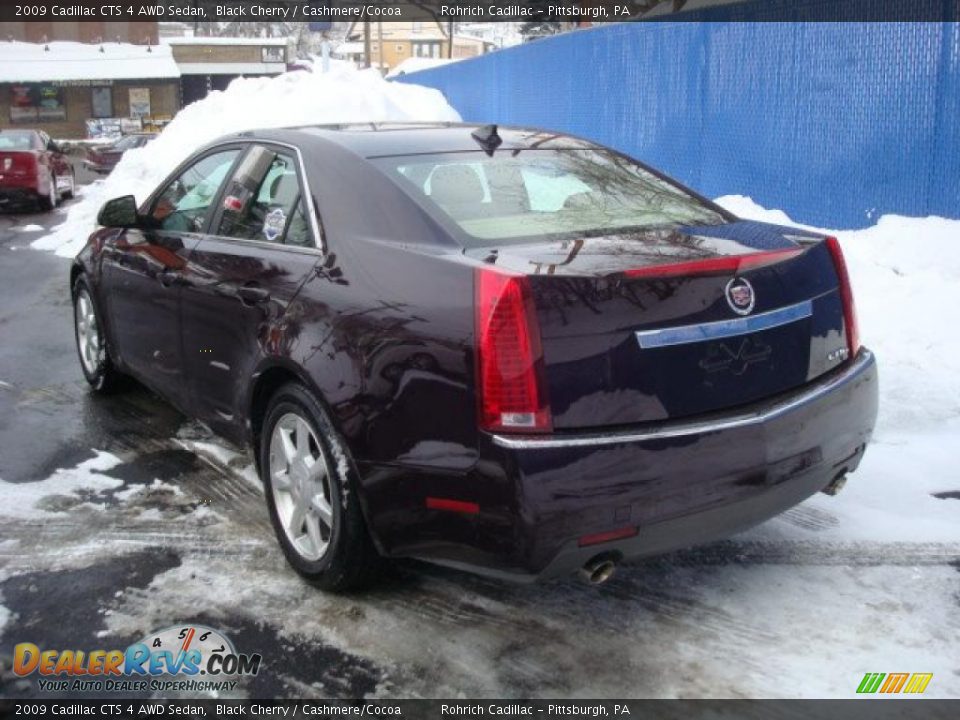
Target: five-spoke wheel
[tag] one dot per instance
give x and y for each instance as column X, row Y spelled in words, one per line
column 91, row 341
column 311, row 492
column 88, row 332
column 301, row 486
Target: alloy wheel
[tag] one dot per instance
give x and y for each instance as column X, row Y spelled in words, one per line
column 300, row 482
column 88, row 333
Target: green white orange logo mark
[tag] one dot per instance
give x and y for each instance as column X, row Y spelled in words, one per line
column 889, row 683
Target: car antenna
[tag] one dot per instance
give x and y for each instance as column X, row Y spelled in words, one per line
column 486, row 136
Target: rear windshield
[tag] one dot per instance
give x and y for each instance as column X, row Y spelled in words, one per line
column 536, row 193
column 16, row 140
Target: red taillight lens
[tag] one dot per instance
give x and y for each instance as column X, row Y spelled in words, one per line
column 597, row 538
column 846, row 295
column 510, row 381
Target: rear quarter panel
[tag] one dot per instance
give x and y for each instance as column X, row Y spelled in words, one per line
column 384, row 328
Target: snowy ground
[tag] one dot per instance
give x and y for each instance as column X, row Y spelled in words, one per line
column 120, row 517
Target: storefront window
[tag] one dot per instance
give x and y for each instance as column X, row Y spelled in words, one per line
column 101, row 102
column 31, row 103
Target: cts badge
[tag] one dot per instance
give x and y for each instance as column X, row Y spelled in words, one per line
column 740, row 296
column 838, row 355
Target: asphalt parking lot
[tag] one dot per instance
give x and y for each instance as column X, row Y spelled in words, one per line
column 131, row 518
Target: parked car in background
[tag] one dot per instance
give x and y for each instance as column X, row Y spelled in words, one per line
column 505, row 350
column 33, row 170
column 104, row 158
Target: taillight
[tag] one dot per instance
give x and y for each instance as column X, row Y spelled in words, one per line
column 846, row 295
column 510, row 383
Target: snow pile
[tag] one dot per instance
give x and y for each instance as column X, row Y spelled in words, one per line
column 297, row 98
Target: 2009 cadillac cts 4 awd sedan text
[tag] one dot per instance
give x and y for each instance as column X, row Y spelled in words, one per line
column 506, row 350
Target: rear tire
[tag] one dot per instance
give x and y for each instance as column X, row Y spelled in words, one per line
column 91, row 343
column 312, row 495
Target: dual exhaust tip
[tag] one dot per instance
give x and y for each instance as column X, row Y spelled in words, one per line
column 598, row 570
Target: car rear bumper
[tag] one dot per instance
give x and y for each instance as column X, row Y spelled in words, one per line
column 668, row 486
column 17, row 195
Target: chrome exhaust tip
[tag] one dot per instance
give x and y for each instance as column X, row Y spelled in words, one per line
column 836, row 485
column 598, row 570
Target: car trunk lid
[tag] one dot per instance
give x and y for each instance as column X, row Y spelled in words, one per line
column 20, row 165
column 678, row 321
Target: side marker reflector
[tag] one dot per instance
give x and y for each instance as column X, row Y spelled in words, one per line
column 603, row 537
column 460, row 506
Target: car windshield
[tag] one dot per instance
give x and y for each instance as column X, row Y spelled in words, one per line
column 515, row 196
column 16, row 140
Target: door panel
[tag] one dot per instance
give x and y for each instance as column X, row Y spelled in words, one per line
column 246, row 274
column 142, row 271
column 145, row 271
column 234, row 310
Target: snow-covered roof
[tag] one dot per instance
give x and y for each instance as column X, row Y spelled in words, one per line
column 197, row 40
column 34, row 62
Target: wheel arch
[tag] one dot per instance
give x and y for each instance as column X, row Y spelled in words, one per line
column 76, row 270
column 271, row 375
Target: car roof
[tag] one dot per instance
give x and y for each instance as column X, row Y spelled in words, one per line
column 372, row 140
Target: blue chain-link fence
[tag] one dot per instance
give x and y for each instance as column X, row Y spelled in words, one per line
column 836, row 123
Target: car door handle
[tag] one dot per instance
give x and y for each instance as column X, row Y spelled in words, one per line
column 252, row 295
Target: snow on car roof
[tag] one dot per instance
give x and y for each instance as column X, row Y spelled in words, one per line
column 69, row 61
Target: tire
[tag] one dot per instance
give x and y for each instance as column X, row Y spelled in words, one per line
column 92, row 351
column 324, row 538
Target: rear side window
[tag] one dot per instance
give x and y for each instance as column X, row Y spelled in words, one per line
column 536, row 193
column 183, row 204
column 264, row 200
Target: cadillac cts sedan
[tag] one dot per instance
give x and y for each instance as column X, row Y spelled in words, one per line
column 501, row 349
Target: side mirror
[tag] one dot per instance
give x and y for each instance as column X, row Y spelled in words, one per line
column 120, row 212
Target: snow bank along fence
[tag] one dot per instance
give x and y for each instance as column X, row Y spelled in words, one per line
column 836, row 123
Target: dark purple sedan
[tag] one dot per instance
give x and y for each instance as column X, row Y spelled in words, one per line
column 501, row 349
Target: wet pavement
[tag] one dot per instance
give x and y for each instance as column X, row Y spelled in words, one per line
column 121, row 517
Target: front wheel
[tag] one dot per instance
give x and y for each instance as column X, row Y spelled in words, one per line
column 91, row 345
column 311, row 497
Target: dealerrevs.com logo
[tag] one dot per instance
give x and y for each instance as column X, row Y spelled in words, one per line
column 179, row 658
column 894, row 683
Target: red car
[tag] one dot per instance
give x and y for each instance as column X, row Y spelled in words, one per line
column 104, row 158
column 33, row 169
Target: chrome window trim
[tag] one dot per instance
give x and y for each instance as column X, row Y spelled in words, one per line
column 861, row 364
column 684, row 334
column 306, row 192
